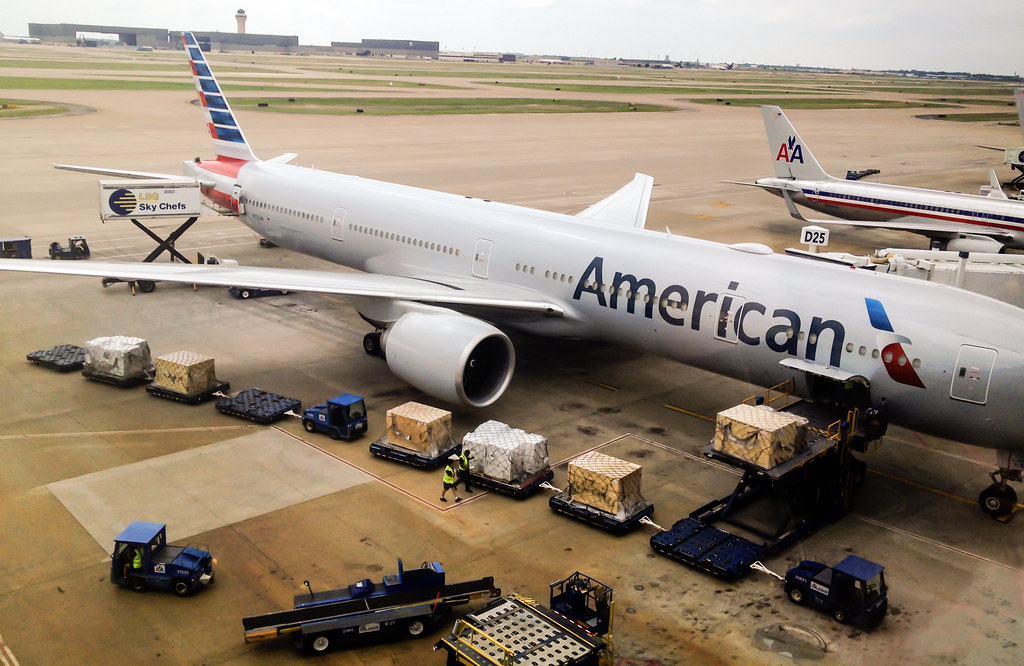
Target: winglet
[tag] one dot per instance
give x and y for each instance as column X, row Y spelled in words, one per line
column 627, row 206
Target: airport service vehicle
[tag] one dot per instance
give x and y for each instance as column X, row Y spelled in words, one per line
column 76, row 248
column 441, row 278
column 852, row 591
column 403, row 604
column 252, row 292
column 1014, row 157
column 575, row 629
column 142, row 559
column 343, row 417
column 952, row 220
column 16, row 248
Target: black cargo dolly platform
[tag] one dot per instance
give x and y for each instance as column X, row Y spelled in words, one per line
column 813, row 488
column 258, row 405
column 516, row 490
column 188, row 398
column 606, row 521
column 384, row 449
column 63, row 358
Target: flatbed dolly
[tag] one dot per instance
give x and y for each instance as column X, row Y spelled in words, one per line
column 121, row 382
column 384, row 449
column 812, row 489
column 188, row 398
column 515, row 631
column 258, row 405
column 561, row 503
column 518, row 490
column 401, row 605
column 63, row 358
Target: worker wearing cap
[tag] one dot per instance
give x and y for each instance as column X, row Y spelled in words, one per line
column 464, row 470
column 449, row 478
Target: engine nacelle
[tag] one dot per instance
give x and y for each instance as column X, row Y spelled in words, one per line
column 974, row 243
column 450, row 356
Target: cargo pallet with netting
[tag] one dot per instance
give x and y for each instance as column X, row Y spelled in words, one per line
column 417, row 435
column 603, row 491
column 506, row 459
column 258, row 405
column 187, row 377
column 798, row 475
column 63, row 358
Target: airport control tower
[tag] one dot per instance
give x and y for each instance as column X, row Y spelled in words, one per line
column 240, row 17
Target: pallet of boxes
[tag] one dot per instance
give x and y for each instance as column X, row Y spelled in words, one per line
column 603, row 491
column 417, row 435
column 186, row 377
column 506, row 459
column 120, row 360
column 759, row 435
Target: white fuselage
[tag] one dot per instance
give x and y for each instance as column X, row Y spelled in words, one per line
column 736, row 310
column 881, row 202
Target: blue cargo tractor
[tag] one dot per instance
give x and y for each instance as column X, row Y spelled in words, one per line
column 142, row 559
column 852, row 591
column 343, row 417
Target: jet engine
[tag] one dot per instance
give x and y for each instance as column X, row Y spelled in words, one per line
column 973, row 243
column 450, row 356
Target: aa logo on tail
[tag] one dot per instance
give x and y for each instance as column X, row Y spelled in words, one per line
column 790, row 152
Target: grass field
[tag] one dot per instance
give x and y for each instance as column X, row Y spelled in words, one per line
column 16, row 108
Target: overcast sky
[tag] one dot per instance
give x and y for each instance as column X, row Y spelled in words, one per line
column 981, row 36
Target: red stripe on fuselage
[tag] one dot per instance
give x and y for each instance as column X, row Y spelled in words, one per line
column 911, row 212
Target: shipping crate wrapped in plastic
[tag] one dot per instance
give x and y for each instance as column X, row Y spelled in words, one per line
column 606, row 483
column 760, row 435
column 119, row 357
column 421, row 428
column 185, row 372
column 502, row 452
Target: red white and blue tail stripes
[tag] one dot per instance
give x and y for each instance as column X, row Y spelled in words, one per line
column 224, row 130
column 894, row 358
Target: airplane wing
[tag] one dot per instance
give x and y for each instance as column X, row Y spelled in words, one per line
column 390, row 287
column 999, row 148
column 627, row 206
column 119, row 173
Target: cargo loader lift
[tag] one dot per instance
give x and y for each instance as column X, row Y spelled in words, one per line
column 516, row 631
column 812, row 489
column 405, row 604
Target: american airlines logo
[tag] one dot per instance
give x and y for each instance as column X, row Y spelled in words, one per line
column 789, row 152
column 895, row 360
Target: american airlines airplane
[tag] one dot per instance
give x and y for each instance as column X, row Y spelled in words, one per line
column 954, row 221
column 1014, row 157
column 442, row 275
column 18, row 39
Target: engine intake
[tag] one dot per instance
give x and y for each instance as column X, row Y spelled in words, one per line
column 450, row 356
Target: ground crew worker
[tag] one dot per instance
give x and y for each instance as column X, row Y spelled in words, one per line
column 464, row 470
column 449, row 478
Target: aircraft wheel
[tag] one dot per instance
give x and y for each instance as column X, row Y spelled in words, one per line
column 371, row 344
column 415, row 627
column 998, row 500
column 308, row 425
column 796, row 595
column 147, row 286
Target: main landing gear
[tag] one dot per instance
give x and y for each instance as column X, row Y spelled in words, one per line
column 1000, row 499
column 371, row 344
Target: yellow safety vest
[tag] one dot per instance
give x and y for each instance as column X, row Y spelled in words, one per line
column 137, row 559
column 449, row 474
column 464, row 462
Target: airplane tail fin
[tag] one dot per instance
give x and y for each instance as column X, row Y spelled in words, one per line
column 227, row 136
column 793, row 159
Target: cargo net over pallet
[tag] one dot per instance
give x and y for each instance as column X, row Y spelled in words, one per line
column 760, row 435
column 501, row 452
column 121, row 360
column 604, row 491
column 186, row 376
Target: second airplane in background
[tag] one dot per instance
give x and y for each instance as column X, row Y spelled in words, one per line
column 952, row 220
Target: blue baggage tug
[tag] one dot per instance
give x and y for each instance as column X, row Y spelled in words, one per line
column 343, row 417
column 142, row 559
column 852, row 591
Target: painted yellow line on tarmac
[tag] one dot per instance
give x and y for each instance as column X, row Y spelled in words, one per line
column 607, row 387
column 688, row 412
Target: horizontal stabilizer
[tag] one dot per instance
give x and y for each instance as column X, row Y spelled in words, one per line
column 283, row 159
column 119, row 173
column 627, row 207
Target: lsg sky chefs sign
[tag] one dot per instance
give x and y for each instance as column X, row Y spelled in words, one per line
column 120, row 199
